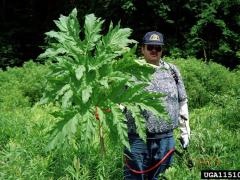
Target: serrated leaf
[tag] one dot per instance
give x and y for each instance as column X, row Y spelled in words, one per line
column 133, row 91
column 52, row 52
column 63, row 89
column 66, row 100
column 58, row 36
column 139, row 69
column 95, row 71
column 118, row 88
column 156, row 108
column 86, row 93
column 104, row 82
column 92, row 28
column 80, row 71
column 117, row 39
column 62, row 23
column 89, row 125
column 66, row 127
column 119, row 121
column 138, row 119
column 74, row 26
column 102, row 117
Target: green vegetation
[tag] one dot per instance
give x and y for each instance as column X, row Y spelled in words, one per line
column 214, row 114
column 90, row 78
column 90, row 68
column 208, row 29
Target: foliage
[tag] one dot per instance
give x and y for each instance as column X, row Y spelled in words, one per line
column 91, row 77
column 25, row 93
column 208, row 29
column 214, row 32
column 205, row 82
column 7, row 54
column 23, row 138
column 23, row 135
column 211, row 141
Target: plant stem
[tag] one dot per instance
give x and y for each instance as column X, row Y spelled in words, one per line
column 102, row 145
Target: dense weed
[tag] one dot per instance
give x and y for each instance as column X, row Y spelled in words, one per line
column 214, row 111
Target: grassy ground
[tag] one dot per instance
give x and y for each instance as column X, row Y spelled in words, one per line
column 214, row 116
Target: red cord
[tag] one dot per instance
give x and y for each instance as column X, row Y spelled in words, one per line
column 143, row 171
column 153, row 167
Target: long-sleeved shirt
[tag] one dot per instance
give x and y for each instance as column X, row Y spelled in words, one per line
column 166, row 80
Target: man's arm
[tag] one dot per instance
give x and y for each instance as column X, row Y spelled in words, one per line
column 183, row 109
column 184, row 123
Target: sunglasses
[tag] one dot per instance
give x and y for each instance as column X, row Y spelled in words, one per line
column 151, row 47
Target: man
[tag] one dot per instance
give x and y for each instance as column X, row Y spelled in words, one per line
column 148, row 160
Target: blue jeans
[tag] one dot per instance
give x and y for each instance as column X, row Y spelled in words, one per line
column 145, row 155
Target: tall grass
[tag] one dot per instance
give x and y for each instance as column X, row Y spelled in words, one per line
column 214, row 119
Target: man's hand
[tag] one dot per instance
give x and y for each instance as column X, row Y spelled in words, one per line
column 184, row 141
column 184, row 124
column 122, row 107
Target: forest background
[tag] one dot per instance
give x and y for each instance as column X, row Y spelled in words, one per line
column 202, row 39
column 207, row 29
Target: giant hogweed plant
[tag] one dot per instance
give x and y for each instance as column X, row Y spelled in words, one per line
column 92, row 77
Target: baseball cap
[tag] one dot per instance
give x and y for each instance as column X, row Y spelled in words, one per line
column 153, row 38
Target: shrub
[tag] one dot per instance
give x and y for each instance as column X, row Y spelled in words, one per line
column 205, row 81
column 24, row 85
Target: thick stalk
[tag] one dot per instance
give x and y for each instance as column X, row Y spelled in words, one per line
column 100, row 131
column 101, row 136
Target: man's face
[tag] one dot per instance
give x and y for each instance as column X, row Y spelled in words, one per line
column 152, row 53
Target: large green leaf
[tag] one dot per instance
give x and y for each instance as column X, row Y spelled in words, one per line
column 119, row 122
column 80, row 71
column 88, row 125
column 91, row 76
column 86, row 93
column 66, row 100
column 92, row 28
column 66, row 127
column 139, row 120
